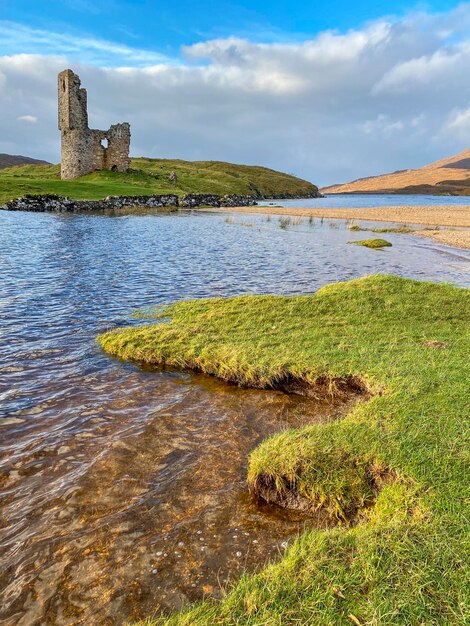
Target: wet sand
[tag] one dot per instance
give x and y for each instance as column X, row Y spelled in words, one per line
column 455, row 238
column 456, row 217
column 453, row 216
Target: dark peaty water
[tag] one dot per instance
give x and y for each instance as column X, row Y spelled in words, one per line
column 122, row 489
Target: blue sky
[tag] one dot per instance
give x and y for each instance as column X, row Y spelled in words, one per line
column 328, row 91
column 164, row 27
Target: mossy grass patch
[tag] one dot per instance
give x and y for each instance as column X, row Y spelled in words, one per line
column 372, row 243
column 399, row 230
column 399, row 461
column 356, row 228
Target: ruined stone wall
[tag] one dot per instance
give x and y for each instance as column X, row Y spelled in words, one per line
column 86, row 150
column 116, row 156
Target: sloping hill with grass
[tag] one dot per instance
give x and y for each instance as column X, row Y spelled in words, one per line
column 444, row 177
column 10, row 160
column 154, row 176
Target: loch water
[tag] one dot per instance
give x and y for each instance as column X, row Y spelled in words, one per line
column 368, row 200
column 122, row 489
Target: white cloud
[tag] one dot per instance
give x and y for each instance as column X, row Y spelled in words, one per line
column 384, row 125
column 388, row 96
column 14, row 37
column 29, row 119
column 426, row 70
column 457, row 125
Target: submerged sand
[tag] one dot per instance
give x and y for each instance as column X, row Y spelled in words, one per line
column 456, row 217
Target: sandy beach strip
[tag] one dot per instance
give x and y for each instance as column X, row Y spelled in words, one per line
column 454, row 238
column 449, row 216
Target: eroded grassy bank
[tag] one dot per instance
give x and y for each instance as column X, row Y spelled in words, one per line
column 398, row 461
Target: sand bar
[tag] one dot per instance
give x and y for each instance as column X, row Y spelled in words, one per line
column 455, row 238
column 450, row 216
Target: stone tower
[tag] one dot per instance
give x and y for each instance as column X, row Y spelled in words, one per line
column 86, row 150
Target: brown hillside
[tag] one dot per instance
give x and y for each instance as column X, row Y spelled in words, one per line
column 448, row 176
column 10, row 160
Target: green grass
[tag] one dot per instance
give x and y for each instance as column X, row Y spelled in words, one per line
column 406, row 561
column 356, row 228
column 400, row 230
column 151, row 176
column 372, row 243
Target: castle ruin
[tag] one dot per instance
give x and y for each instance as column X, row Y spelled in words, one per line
column 83, row 149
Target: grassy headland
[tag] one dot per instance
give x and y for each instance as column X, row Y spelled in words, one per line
column 397, row 464
column 152, row 176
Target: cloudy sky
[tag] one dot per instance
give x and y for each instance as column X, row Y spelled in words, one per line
column 329, row 92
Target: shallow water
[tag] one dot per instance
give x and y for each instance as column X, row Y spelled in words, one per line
column 361, row 201
column 122, row 489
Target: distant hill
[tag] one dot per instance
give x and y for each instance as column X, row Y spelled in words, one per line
column 10, row 160
column 156, row 176
column 448, row 176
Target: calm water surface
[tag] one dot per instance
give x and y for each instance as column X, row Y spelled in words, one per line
column 122, row 489
column 361, row 201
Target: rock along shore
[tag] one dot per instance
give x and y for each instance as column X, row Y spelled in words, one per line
column 61, row 204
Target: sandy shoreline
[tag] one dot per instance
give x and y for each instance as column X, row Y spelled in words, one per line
column 454, row 238
column 456, row 217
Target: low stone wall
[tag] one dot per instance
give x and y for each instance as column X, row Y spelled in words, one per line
column 40, row 204
column 151, row 202
column 198, row 199
column 235, row 200
column 211, row 200
column 60, row 204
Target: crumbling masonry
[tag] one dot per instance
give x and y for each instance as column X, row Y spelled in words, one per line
column 86, row 150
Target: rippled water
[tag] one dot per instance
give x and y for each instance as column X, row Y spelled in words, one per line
column 122, row 489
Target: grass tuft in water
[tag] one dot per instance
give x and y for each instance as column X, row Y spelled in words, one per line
column 356, row 228
column 400, row 230
column 372, row 243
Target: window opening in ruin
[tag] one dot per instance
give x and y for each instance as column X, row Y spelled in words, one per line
column 104, row 143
